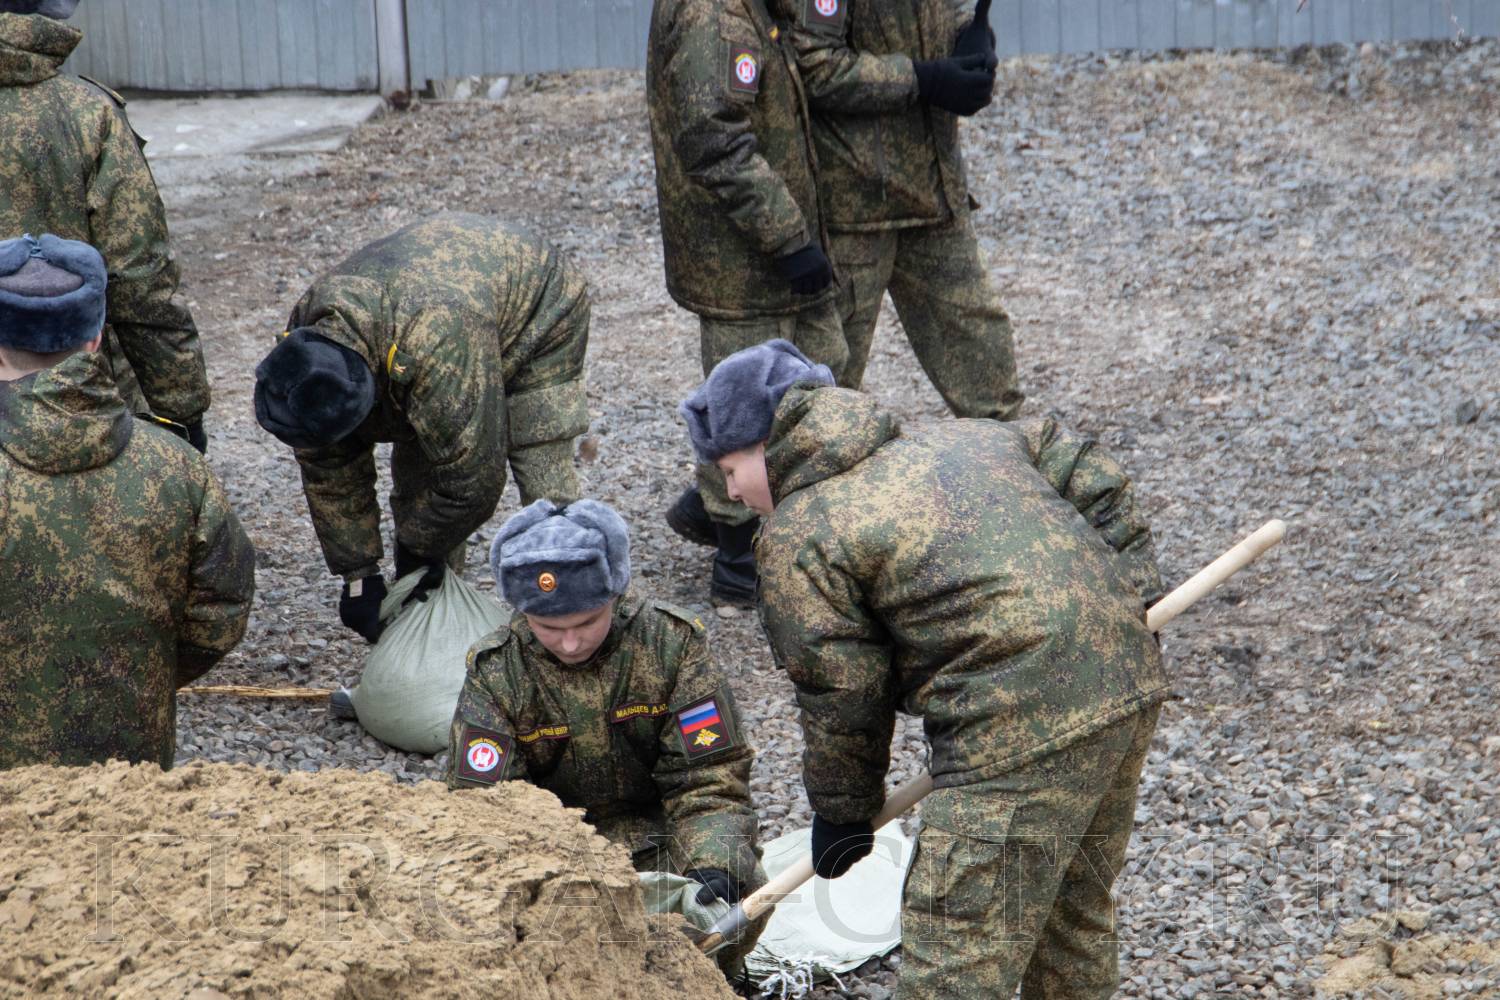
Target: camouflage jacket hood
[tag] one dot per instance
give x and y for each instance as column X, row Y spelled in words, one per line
column 820, row 432
column 33, row 47
column 66, row 418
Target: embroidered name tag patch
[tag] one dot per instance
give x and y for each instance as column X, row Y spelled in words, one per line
column 484, row 755
column 638, row 710
column 703, row 728
column 826, row 12
column 545, row 733
column 744, row 70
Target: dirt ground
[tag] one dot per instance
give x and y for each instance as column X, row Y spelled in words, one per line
column 1270, row 283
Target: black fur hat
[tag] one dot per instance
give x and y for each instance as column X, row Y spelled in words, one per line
column 310, row 391
column 51, row 294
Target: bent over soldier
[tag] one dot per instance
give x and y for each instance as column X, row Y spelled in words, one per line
column 742, row 232
column 991, row 578
column 461, row 340
column 126, row 574
column 71, row 165
column 887, row 81
column 609, row 700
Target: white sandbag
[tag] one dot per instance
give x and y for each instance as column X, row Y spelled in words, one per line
column 828, row 927
column 411, row 680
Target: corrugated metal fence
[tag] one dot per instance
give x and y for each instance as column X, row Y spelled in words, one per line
column 204, row 45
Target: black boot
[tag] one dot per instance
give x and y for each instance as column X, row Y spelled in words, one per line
column 734, row 565
column 689, row 519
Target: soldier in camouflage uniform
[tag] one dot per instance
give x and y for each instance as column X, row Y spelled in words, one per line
column 460, row 339
column 609, row 701
column 991, row 578
column 742, row 233
column 887, row 81
column 126, row 573
column 70, row 165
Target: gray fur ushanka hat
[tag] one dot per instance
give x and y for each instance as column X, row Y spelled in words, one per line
column 733, row 408
column 551, row 561
column 51, row 294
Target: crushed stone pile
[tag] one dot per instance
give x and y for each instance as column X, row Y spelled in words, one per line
column 214, row 881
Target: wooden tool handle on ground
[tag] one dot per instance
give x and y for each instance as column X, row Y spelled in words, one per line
column 905, row 796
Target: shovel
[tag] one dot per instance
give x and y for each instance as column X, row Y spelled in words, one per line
column 905, row 796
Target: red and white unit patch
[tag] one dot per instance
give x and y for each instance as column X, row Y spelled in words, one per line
column 744, row 71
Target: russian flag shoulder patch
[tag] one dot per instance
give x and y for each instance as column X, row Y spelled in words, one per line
column 704, row 728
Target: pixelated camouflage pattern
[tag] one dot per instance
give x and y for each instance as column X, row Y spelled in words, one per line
column 1010, row 882
column 632, row 778
column 978, row 574
column 817, row 332
column 951, row 313
column 71, row 165
column 475, row 331
column 885, row 159
column 735, row 174
column 126, row 573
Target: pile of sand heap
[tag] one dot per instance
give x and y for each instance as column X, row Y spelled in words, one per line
column 212, row 881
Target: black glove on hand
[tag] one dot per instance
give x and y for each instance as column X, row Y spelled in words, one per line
column 197, row 437
column 978, row 38
column 960, row 84
column 716, row 885
column 359, row 607
column 806, row 270
column 836, row 846
column 408, row 561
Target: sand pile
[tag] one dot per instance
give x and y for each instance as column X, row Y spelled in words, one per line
column 225, row 881
column 1393, row 956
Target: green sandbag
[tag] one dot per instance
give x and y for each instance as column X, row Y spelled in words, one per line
column 411, row 680
column 668, row 893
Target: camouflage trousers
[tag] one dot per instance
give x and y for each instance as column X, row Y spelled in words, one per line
column 952, row 316
column 817, row 332
column 658, row 856
column 1011, row 880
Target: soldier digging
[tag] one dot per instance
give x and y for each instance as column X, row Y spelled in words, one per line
column 991, row 578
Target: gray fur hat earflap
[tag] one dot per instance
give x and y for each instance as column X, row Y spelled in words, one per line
column 550, row 560
column 733, row 408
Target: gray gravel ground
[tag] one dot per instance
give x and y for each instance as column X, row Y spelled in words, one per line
column 1269, row 282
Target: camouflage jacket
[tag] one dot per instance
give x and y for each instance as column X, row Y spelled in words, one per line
column 735, row 177
column 126, row 573
column 885, row 159
column 990, row 577
column 475, row 331
column 70, row 165
column 605, row 735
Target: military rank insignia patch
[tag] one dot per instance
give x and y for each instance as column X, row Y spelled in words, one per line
column 484, row 755
column 744, row 70
column 828, row 13
column 703, row 728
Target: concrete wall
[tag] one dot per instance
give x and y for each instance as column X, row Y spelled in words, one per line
column 335, row 44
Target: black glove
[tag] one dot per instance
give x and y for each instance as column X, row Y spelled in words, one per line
column 197, row 437
column 806, row 270
column 978, row 38
column 359, row 607
column 408, row 561
column 716, row 885
column 960, row 84
column 836, row 846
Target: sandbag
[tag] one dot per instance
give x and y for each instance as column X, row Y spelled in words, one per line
column 411, row 680
column 829, row 927
column 664, row 892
